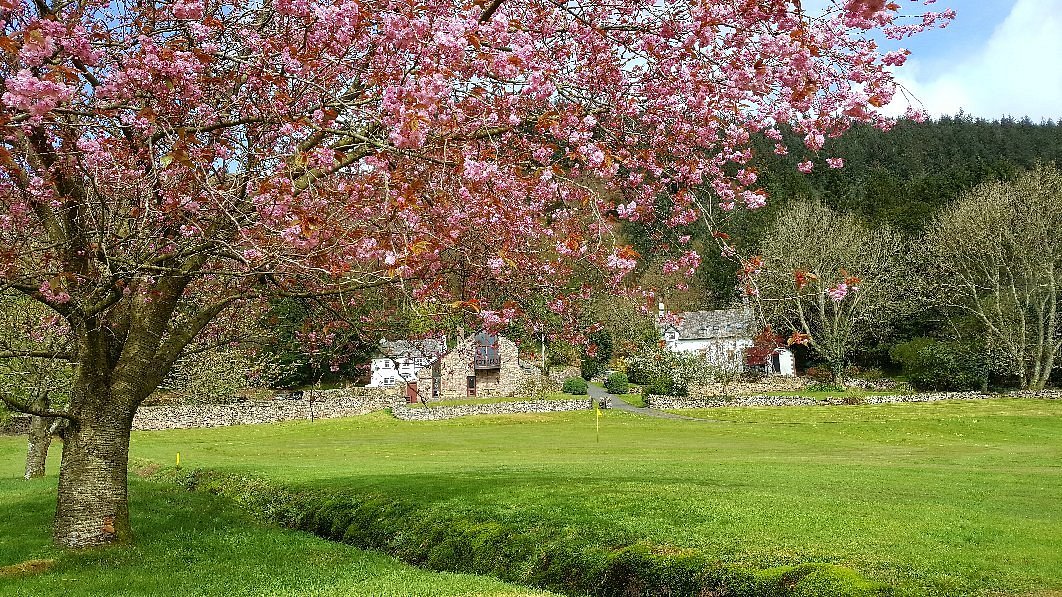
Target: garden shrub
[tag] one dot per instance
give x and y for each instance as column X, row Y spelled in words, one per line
column 642, row 370
column 824, row 386
column 935, row 365
column 575, row 386
column 665, row 386
column 753, row 375
column 617, row 383
column 820, row 375
column 590, row 368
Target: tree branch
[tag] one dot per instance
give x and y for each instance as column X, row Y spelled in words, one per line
column 39, row 412
column 489, row 12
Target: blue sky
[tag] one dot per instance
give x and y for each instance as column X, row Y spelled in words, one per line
column 999, row 57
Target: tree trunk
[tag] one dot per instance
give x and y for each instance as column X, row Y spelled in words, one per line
column 40, row 439
column 93, row 502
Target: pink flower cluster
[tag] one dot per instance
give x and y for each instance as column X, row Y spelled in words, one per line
column 33, row 95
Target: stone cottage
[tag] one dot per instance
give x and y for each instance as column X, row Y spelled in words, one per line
column 481, row 365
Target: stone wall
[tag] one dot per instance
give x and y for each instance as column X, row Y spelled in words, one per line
column 18, row 424
column 561, row 373
column 785, row 383
column 677, row 402
column 771, row 383
column 437, row 413
column 321, row 404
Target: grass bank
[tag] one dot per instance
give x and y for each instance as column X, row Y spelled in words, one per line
column 196, row 544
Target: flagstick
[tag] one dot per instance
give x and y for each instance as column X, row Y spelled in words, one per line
column 597, row 419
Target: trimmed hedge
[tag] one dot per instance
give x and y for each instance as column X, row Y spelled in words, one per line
column 559, row 559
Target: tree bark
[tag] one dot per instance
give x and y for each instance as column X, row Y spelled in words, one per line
column 93, row 508
column 40, row 440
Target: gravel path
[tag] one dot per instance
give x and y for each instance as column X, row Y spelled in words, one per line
column 618, row 403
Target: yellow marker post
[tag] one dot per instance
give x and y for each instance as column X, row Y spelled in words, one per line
column 597, row 409
column 178, row 460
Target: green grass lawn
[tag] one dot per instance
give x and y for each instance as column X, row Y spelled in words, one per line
column 633, row 399
column 941, row 499
column 192, row 544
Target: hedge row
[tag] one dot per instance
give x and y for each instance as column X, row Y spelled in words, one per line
column 557, row 559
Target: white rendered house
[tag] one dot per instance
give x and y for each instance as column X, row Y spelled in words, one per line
column 398, row 361
column 722, row 337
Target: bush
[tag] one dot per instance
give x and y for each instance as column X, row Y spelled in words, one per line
column 589, row 368
column 575, row 386
column 934, row 365
column 617, row 383
column 754, row 375
column 642, row 370
column 820, row 374
column 824, row 386
column 666, row 386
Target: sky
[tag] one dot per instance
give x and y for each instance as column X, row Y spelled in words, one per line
column 997, row 58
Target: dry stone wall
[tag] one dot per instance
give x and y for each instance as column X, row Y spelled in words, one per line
column 680, row 402
column 560, row 374
column 438, row 413
column 318, row 404
column 16, row 425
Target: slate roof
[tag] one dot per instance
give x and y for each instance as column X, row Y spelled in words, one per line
column 397, row 349
column 705, row 325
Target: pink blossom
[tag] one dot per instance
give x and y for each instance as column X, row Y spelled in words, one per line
column 496, row 264
column 188, row 9
column 35, row 96
column 806, row 167
column 838, row 293
column 835, row 162
column 59, row 297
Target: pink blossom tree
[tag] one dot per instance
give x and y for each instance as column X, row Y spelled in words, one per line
column 165, row 163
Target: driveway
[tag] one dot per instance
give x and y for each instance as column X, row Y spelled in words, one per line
column 618, row 403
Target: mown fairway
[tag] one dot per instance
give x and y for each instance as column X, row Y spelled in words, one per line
column 958, row 498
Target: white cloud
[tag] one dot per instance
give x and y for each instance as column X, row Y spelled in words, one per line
column 1018, row 72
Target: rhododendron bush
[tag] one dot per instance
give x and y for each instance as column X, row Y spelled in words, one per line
column 162, row 163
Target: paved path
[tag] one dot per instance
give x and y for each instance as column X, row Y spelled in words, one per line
column 618, row 403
